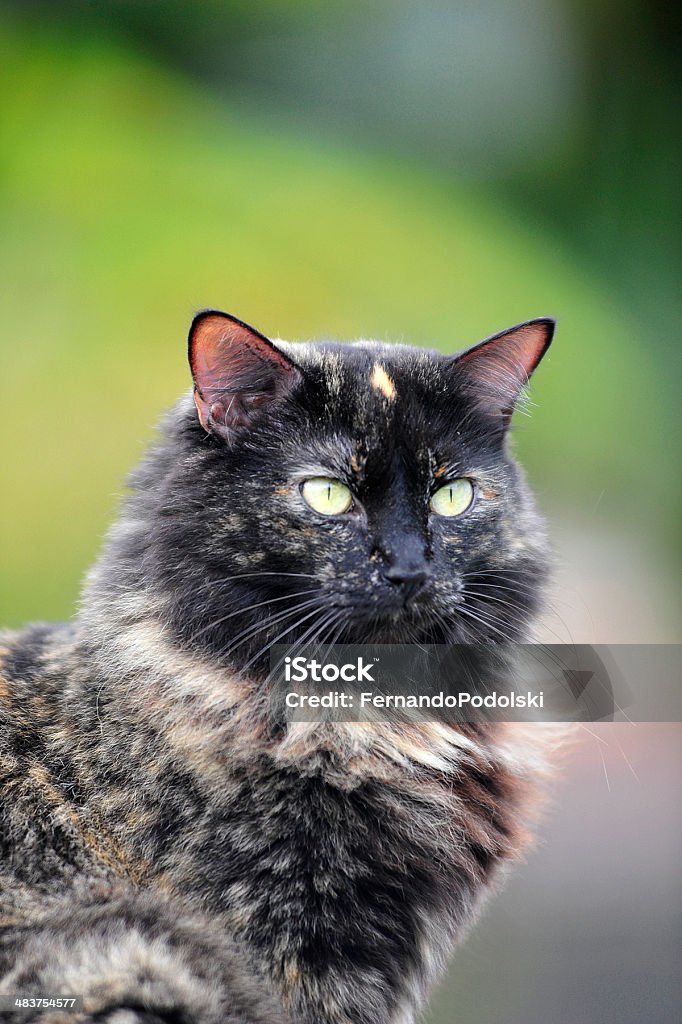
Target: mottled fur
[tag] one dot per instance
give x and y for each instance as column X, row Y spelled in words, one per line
column 166, row 847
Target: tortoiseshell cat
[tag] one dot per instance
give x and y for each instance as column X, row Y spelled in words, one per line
column 169, row 853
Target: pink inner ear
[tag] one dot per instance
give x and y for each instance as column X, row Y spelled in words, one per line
column 496, row 370
column 227, row 355
column 236, row 371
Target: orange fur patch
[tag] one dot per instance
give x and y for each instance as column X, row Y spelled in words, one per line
column 381, row 381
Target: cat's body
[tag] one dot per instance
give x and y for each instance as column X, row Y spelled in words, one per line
column 164, row 843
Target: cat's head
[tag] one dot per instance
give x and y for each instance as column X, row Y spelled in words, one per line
column 330, row 491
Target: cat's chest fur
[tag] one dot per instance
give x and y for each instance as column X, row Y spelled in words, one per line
column 319, row 847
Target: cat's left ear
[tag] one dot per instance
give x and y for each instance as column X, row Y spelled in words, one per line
column 495, row 371
column 237, row 372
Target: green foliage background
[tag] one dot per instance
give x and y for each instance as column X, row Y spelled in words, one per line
column 131, row 197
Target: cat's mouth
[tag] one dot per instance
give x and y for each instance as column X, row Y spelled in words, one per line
column 406, row 618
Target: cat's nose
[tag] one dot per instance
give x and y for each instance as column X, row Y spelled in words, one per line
column 406, row 564
column 408, row 579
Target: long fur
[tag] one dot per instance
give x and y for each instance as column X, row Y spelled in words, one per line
column 166, row 848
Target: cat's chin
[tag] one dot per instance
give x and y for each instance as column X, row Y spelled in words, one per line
column 409, row 625
column 423, row 626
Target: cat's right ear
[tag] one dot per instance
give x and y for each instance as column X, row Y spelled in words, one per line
column 237, row 372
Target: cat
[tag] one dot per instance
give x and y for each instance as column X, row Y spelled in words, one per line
column 168, row 851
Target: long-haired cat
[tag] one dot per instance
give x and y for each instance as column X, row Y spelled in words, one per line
column 168, row 851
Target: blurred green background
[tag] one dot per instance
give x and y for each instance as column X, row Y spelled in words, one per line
column 424, row 172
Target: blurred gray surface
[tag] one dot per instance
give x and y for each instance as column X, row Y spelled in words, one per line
column 589, row 929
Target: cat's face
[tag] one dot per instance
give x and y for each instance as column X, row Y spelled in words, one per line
column 357, row 492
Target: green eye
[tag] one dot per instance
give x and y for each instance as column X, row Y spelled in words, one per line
column 328, row 497
column 454, row 498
